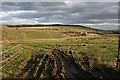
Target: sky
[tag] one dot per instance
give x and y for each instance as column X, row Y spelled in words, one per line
column 100, row 15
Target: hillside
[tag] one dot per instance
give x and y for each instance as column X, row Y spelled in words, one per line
column 58, row 52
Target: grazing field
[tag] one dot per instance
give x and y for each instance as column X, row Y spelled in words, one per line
column 58, row 52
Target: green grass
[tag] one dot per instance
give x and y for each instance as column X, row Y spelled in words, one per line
column 102, row 47
column 41, row 35
column 14, row 64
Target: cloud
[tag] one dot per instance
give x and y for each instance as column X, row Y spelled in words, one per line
column 66, row 12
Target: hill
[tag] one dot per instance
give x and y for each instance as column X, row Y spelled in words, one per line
column 58, row 51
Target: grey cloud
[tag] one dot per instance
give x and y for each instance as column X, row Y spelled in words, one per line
column 63, row 12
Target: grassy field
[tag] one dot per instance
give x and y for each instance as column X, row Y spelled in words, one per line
column 100, row 49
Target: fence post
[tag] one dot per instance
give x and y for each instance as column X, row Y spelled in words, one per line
column 118, row 56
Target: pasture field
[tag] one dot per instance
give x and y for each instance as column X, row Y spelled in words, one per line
column 58, row 52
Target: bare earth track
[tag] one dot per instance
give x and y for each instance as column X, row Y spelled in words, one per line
column 63, row 68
